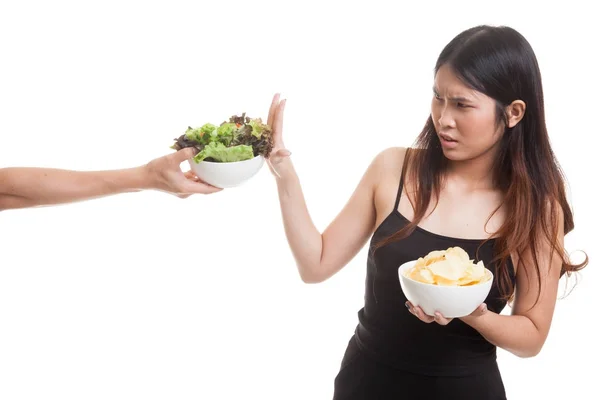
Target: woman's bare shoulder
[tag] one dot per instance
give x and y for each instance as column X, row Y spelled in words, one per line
column 388, row 164
column 391, row 159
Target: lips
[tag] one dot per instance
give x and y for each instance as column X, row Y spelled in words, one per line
column 447, row 138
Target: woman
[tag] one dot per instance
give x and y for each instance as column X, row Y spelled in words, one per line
column 483, row 177
column 32, row 187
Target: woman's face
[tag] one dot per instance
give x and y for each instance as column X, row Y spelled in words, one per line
column 464, row 119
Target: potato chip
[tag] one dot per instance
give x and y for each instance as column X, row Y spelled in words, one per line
column 450, row 267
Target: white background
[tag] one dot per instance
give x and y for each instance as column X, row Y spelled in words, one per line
column 146, row 296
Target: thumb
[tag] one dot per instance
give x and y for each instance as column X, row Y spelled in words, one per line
column 283, row 152
column 279, row 155
column 185, row 154
column 481, row 309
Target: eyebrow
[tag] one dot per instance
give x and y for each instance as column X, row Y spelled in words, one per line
column 458, row 99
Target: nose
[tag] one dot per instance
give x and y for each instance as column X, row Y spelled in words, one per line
column 446, row 119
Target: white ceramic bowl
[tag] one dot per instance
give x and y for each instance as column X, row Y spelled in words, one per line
column 450, row 301
column 227, row 174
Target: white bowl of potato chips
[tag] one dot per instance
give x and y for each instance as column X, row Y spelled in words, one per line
column 446, row 281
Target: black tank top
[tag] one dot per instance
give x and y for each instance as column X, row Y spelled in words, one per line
column 390, row 334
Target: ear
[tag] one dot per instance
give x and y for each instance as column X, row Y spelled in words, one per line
column 515, row 112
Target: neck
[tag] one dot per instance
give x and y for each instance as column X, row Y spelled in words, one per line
column 475, row 173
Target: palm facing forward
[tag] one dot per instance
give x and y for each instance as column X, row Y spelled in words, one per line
column 275, row 121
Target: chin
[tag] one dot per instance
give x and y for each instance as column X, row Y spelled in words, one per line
column 456, row 154
column 460, row 154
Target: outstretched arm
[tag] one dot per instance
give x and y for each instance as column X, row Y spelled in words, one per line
column 31, row 187
column 319, row 255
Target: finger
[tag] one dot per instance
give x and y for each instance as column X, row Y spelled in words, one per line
column 190, row 175
column 440, row 319
column 279, row 155
column 272, row 110
column 422, row 316
column 198, row 188
column 418, row 312
column 482, row 309
column 185, row 154
column 411, row 307
column 278, row 122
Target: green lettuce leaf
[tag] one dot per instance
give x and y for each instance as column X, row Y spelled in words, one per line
column 202, row 135
column 258, row 128
column 219, row 152
column 226, row 132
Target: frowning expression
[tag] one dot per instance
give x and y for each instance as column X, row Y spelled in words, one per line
column 465, row 120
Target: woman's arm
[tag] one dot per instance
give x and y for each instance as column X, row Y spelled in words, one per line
column 31, row 187
column 524, row 332
column 319, row 256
